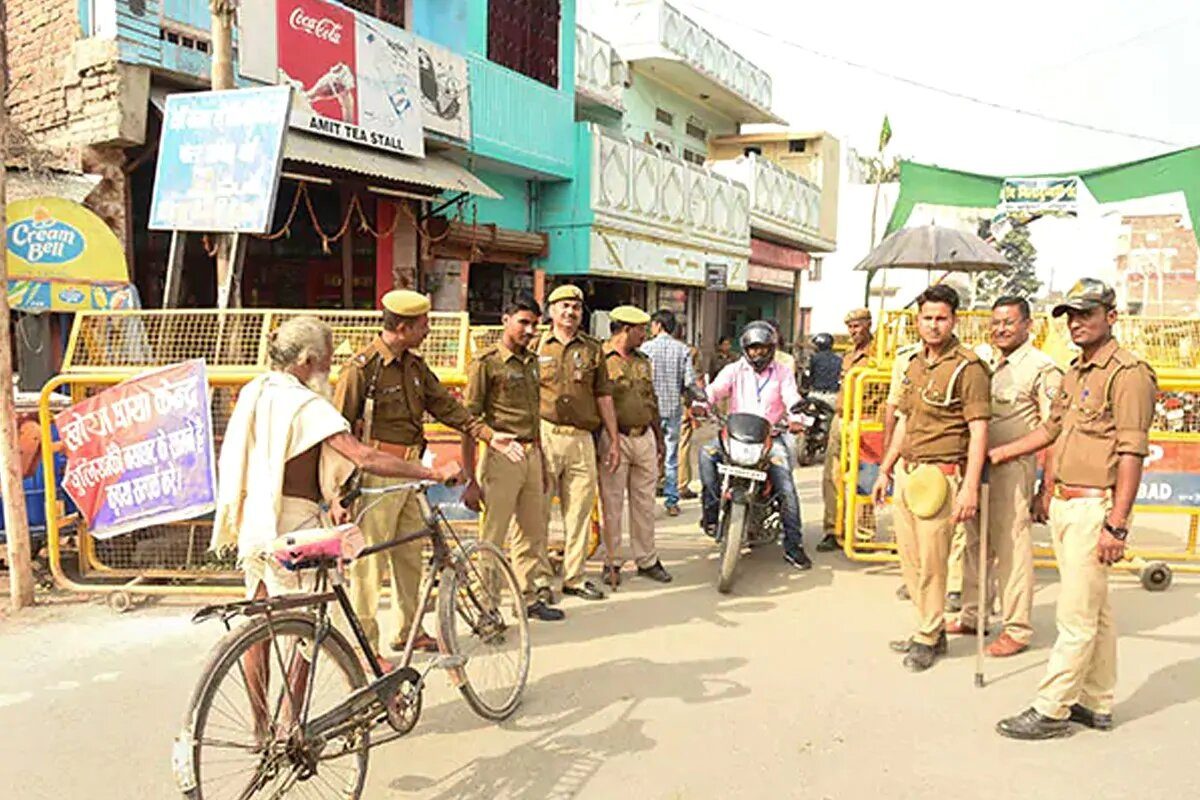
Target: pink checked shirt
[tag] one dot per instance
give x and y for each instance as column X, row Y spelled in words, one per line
column 769, row 393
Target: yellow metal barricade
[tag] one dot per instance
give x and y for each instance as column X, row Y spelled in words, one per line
column 1176, row 425
column 106, row 348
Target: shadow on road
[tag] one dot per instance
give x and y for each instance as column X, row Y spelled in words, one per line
column 578, row 722
column 1174, row 685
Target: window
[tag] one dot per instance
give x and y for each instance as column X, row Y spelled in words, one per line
column 693, row 156
column 797, row 145
column 391, row 11
column 752, row 151
column 663, row 147
column 665, row 117
column 697, row 131
column 523, row 36
column 814, row 271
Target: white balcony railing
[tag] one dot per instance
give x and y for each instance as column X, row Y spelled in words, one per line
column 654, row 29
column 643, row 190
column 599, row 72
column 782, row 203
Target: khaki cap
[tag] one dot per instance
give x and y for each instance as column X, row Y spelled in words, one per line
column 925, row 491
column 858, row 314
column 565, row 292
column 406, row 303
column 630, row 315
column 1086, row 294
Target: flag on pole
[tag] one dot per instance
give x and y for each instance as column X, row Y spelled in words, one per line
column 885, row 133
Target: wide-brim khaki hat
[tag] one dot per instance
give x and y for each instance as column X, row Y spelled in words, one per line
column 925, row 491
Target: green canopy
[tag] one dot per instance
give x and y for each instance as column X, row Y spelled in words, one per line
column 1172, row 172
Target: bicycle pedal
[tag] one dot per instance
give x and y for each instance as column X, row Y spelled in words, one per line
column 450, row 662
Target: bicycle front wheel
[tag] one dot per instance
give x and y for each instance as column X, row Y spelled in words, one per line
column 481, row 617
column 244, row 738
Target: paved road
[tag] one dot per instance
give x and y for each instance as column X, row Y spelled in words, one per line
column 784, row 689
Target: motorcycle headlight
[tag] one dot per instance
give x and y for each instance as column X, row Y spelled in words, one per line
column 744, row 454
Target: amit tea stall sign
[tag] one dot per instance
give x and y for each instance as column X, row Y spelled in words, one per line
column 141, row 453
column 219, row 159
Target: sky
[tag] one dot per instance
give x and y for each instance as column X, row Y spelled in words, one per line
column 1117, row 64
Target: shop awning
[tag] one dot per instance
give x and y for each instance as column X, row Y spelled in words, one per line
column 433, row 172
column 62, row 257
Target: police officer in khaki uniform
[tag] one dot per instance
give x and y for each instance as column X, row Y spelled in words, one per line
column 1025, row 383
column 942, row 439
column 642, row 447
column 858, row 323
column 576, row 402
column 503, row 390
column 385, row 390
column 1100, row 425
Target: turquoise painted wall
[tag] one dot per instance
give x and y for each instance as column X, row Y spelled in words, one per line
column 512, row 211
column 448, row 22
column 565, row 211
column 647, row 95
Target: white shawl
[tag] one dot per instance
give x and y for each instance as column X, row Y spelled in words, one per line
column 276, row 418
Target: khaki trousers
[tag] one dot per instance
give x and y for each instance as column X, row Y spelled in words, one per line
column 1010, row 547
column 954, row 565
column 1083, row 664
column 515, row 490
column 830, row 477
column 686, row 434
column 924, row 546
column 571, row 458
column 635, row 477
column 395, row 515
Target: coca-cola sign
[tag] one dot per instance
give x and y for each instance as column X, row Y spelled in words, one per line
column 320, row 27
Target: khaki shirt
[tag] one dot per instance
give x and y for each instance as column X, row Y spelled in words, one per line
column 1024, row 388
column 938, row 398
column 405, row 390
column 851, row 360
column 1104, row 411
column 900, row 366
column 503, row 390
column 632, row 387
column 573, row 376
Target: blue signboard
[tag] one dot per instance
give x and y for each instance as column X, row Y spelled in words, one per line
column 218, row 160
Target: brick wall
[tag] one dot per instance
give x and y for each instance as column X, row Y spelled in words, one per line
column 75, row 107
column 1161, row 247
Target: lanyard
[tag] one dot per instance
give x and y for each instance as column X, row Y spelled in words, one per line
column 758, row 387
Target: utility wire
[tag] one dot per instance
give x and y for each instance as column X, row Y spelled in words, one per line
column 935, row 89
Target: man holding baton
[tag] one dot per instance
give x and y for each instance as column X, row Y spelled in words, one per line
column 942, row 438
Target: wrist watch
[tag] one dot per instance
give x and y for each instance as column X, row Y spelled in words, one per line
column 1117, row 533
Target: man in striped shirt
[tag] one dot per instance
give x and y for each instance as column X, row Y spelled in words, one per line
column 672, row 365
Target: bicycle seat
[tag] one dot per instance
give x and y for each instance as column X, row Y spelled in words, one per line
column 311, row 547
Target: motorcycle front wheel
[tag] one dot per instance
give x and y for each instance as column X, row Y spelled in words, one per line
column 731, row 534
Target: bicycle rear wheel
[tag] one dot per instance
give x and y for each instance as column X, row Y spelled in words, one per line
column 243, row 742
column 481, row 617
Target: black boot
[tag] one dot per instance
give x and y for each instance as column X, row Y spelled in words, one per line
column 920, row 657
column 1031, row 725
column 1090, row 719
column 829, row 544
column 904, row 645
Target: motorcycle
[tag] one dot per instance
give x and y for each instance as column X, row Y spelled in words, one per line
column 749, row 512
column 817, row 416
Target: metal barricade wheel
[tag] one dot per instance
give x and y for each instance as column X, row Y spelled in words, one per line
column 1156, row 577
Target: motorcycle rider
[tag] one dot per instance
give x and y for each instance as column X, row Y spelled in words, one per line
column 758, row 384
column 825, row 369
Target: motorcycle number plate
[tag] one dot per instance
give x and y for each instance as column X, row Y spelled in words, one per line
column 741, row 472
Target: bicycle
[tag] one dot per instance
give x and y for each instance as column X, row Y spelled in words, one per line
column 236, row 738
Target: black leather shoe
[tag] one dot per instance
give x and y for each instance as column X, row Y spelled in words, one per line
column 798, row 559
column 1090, row 719
column 587, row 591
column 656, row 573
column 545, row 613
column 904, row 645
column 1030, row 725
column 546, row 595
column 920, row 658
column 954, row 602
column 829, row 544
column 710, row 529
